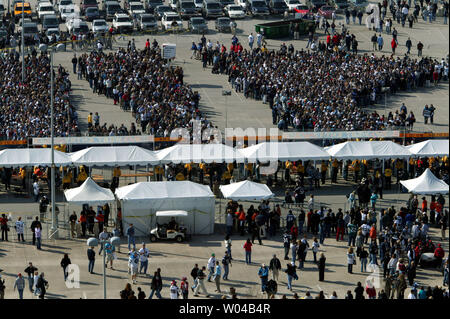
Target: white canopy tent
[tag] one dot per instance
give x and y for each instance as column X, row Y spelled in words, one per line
column 114, row 155
column 89, row 192
column 368, row 150
column 199, row 153
column 284, row 151
column 426, row 184
column 141, row 201
column 429, row 148
column 246, row 190
column 28, row 157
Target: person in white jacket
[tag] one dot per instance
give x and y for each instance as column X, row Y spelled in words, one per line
column 174, row 290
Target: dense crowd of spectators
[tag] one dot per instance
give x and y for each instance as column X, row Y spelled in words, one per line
column 25, row 107
column 143, row 82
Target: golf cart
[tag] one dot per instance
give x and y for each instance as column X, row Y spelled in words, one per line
column 171, row 230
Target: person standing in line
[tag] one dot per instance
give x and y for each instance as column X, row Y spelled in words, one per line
column 30, row 270
column 216, row 276
column 321, row 266
column 315, row 248
column 286, row 244
column 91, row 258
column 275, row 267
column 226, row 262
column 263, row 274
column 34, row 224
column 20, row 285
column 248, row 251
column 73, row 222
column 201, row 282
column 130, row 234
column 19, row 229
column 143, row 259
column 184, row 288
column 351, row 260
column 408, row 45
column 65, row 262
column 38, row 235
column 156, row 284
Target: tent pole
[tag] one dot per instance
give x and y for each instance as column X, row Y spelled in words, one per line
column 135, row 172
column 146, row 170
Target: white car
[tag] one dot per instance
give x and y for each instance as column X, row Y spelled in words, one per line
column 171, row 21
column 52, row 31
column 292, row 4
column 99, row 26
column 122, row 23
column 77, row 26
column 44, row 9
column 198, row 5
column 135, row 8
column 235, row 11
column 242, row 3
column 64, row 4
column 69, row 12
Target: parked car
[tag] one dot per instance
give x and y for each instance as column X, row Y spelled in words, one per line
column 257, row 8
column 91, row 14
column 50, row 21
column 223, row 24
column 53, row 32
column 277, row 6
column 151, row 5
column 135, row 8
column 122, row 23
column 111, row 8
column 326, row 11
column 99, row 26
column 211, row 9
column 341, row 5
column 84, row 4
column 186, row 9
column 242, row 3
column 146, row 22
column 18, row 11
column 198, row 25
column 225, row 3
column 30, row 29
column 77, row 26
column 292, row 4
column 171, row 21
column 303, row 9
column 64, row 4
column 235, row 11
column 44, row 9
column 160, row 10
column 68, row 13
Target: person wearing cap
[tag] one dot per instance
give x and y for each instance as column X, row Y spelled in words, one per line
column 184, row 288
column 20, row 285
column 211, row 266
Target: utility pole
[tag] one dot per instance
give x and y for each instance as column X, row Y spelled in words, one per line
column 23, row 45
column 54, row 228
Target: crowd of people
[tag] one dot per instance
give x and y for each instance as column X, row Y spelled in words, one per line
column 144, row 83
column 25, row 107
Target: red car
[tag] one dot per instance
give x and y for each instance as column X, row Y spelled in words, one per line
column 302, row 9
column 326, row 11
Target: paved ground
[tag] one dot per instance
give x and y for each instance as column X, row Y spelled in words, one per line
column 176, row 260
column 237, row 111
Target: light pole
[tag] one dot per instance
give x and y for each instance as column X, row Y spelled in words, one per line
column 54, row 227
column 23, row 45
column 226, row 93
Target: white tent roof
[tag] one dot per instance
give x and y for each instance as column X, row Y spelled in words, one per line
column 429, row 148
column 21, row 157
column 284, row 151
column 368, row 150
column 426, row 184
column 246, row 190
column 172, row 213
column 163, row 190
column 198, row 153
column 114, row 155
column 89, row 192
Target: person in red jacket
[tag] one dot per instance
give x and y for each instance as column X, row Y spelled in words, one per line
column 370, row 290
column 424, row 205
column 393, row 45
column 435, row 77
column 439, row 254
column 101, row 220
column 248, row 251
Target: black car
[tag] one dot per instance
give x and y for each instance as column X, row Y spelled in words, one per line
column 159, row 11
column 277, row 6
column 91, row 14
column 223, row 24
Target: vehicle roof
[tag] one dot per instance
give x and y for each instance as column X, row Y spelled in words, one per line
column 98, row 20
column 53, row 16
column 30, row 24
column 121, row 15
column 170, row 13
column 47, row 3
